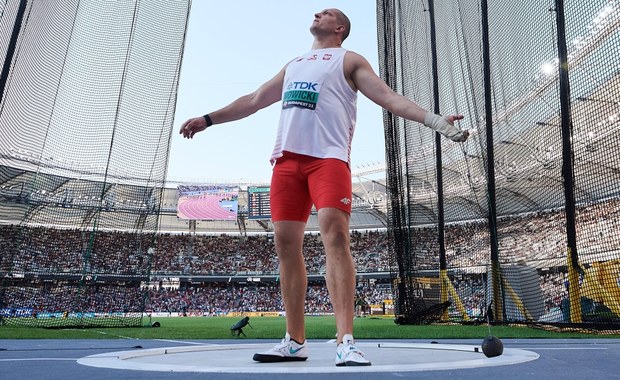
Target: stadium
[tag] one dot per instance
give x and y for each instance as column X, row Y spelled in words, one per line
column 515, row 226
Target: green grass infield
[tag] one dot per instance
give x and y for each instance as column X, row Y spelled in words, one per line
column 317, row 327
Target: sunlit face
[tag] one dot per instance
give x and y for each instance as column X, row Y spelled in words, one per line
column 325, row 22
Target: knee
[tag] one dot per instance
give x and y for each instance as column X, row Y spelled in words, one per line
column 336, row 245
column 286, row 250
column 337, row 237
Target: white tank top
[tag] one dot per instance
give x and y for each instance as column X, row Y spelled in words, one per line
column 318, row 107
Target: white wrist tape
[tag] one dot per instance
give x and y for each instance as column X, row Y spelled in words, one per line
column 440, row 124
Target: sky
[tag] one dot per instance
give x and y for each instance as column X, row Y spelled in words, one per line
column 231, row 48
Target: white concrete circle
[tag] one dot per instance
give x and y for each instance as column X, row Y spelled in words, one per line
column 237, row 358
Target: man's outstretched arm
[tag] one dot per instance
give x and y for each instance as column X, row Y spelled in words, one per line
column 267, row 94
column 374, row 88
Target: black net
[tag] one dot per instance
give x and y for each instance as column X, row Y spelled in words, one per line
column 531, row 200
column 87, row 103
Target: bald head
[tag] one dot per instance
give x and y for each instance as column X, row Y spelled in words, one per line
column 330, row 27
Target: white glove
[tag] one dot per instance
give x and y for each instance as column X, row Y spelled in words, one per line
column 441, row 124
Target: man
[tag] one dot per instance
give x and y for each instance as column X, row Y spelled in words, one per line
column 311, row 166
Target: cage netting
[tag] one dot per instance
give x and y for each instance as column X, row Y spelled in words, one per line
column 88, row 90
column 518, row 223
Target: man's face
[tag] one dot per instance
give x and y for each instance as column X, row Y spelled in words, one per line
column 325, row 22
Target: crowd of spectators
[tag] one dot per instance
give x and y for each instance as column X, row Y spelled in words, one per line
column 224, row 298
column 537, row 240
column 204, row 299
column 50, row 250
column 225, row 254
column 73, row 297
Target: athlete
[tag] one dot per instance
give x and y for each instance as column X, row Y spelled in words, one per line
column 318, row 91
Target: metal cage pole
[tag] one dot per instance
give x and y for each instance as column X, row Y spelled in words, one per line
column 10, row 51
column 443, row 266
column 497, row 303
column 567, row 166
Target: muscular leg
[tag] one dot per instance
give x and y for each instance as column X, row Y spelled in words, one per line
column 334, row 227
column 289, row 238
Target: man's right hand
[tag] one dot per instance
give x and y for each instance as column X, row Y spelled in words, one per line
column 193, row 126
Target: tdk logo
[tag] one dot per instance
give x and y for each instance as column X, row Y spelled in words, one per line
column 303, row 86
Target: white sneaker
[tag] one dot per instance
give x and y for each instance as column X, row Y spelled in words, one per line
column 349, row 355
column 285, row 351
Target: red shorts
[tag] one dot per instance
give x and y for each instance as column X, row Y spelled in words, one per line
column 299, row 181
